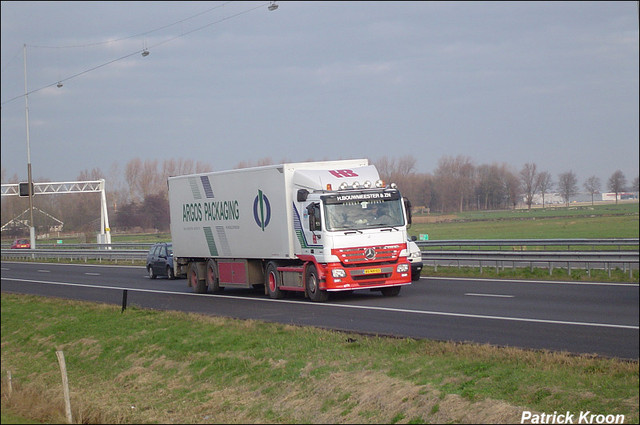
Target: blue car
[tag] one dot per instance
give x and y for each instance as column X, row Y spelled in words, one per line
column 160, row 260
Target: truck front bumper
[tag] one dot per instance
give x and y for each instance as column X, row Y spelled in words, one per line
column 372, row 276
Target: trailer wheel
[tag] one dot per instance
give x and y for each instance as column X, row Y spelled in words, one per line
column 311, row 284
column 212, row 277
column 199, row 285
column 392, row 291
column 272, row 281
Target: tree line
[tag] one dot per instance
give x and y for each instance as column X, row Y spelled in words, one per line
column 137, row 196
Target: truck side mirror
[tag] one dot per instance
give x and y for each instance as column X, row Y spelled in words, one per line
column 302, row 195
column 314, row 217
column 407, row 207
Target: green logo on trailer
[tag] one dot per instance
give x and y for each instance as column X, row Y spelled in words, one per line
column 262, row 210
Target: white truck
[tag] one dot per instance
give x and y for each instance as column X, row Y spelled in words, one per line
column 312, row 227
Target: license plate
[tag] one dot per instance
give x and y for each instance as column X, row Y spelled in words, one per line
column 372, row 271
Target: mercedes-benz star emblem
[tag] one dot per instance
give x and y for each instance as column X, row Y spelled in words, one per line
column 370, row 253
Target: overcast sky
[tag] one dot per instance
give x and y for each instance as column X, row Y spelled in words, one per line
column 550, row 83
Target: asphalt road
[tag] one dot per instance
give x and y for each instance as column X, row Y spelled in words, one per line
column 591, row 318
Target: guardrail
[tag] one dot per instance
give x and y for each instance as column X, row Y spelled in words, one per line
column 114, row 255
column 627, row 260
column 114, row 245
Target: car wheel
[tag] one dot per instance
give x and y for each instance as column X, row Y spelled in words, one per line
column 152, row 274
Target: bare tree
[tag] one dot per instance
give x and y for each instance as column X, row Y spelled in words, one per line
column 617, row 183
column 258, row 163
column 131, row 174
column 529, row 180
column 454, row 182
column 385, row 167
column 148, row 179
column 634, row 185
column 512, row 186
column 545, row 184
column 567, row 185
column 592, row 185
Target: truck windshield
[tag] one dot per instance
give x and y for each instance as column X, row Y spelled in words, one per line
column 358, row 215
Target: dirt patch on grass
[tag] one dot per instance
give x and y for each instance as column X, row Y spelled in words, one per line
column 434, row 219
column 352, row 397
column 344, row 397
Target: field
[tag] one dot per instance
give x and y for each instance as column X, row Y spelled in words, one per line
column 600, row 221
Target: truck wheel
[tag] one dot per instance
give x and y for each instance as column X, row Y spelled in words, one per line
column 152, row 275
column 391, row 292
column 212, row 277
column 199, row 285
column 311, row 282
column 272, row 281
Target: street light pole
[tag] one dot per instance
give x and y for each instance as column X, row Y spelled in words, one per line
column 32, row 230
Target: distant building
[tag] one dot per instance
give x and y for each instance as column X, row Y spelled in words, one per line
column 557, row 199
column 622, row 196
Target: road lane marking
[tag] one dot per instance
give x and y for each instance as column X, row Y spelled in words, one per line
column 44, row 271
column 553, row 282
column 315, row 305
column 93, row 274
column 489, row 295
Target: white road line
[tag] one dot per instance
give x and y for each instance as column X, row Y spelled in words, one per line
column 316, row 305
column 93, row 274
column 489, row 295
column 44, row 271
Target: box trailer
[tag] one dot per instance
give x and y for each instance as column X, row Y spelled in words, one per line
column 313, row 227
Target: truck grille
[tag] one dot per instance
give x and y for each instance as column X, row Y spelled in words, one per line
column 368, row 254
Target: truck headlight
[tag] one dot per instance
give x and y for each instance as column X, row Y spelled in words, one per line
column 338, row 273
column 402, row 268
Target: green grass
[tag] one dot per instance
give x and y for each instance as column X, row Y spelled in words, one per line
column 599, row 221
column 554, row 212
column 570, row 227
column 146, row 366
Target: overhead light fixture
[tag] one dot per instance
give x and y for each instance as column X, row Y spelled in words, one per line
column 145, row 52
column 273, row 6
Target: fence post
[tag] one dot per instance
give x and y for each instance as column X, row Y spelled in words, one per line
column 10, row 384
column 65, row 386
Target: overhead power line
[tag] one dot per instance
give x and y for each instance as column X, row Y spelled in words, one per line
column 143, row 51
column 99, row 43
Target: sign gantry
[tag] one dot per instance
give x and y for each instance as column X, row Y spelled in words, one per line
column 51, row 188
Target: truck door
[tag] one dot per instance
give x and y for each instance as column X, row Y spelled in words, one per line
column 312, row 226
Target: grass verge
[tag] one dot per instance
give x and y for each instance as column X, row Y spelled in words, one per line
column 146, row 366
